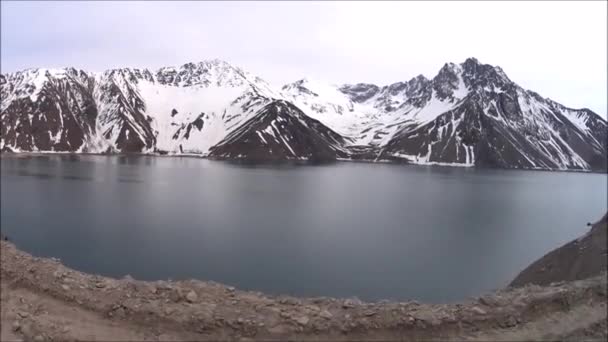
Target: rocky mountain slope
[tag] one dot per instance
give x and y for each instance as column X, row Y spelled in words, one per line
column 280, row 131
column 469, row 114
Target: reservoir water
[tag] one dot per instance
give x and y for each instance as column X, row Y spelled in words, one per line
column 372, row 231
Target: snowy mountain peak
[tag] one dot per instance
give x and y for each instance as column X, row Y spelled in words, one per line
column 449, row 84
column 468, row 114
column 360, row 92
column 205, row 73
column 471, row 61
column 479, row 74
column 450, row 68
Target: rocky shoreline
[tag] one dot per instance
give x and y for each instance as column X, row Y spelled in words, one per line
column 198, row 310
column 279, row 162
column 578, row 259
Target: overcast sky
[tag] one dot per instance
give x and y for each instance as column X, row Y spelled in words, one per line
column 558, row 49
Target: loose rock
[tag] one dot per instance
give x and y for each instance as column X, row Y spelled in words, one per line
column 350, row 303
column 326, row 314
column 16, row 326
column 303, row 320
column 478, row 310
column 191, row 296
column 369, row 313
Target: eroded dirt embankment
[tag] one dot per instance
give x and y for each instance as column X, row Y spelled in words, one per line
column 44, row 300
column 578, row 259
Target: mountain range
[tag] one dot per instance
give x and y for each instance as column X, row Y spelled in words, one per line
column 469, row 114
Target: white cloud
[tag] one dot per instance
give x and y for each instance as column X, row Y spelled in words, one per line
column 555, row 48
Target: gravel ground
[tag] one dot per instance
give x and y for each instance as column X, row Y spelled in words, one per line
column 42, row 300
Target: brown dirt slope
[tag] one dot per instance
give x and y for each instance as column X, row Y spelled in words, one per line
column 42, row 300
column 578, row 259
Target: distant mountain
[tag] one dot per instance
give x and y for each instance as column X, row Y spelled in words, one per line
column 469, row 114
column 281, row 131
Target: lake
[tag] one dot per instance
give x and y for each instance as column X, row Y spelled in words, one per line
column 372, row 231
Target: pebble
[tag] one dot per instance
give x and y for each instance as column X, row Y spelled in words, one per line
column 314, row 308
column 26, row 329
column 100, row 285
column 510, row 322
column 349, row 303
column 478, row 310
column 326, row 314
column 191, row 297
column 303, row 320
column 65, row 287
column 16, row 326
column 175, row 295
column 38, row 338
column 23, row 314
column 65, row 329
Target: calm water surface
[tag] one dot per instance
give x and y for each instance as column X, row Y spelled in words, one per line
column 374, row 231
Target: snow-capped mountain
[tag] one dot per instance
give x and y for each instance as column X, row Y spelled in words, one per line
column 468, row 114
column 281, row 131
column 181, row 110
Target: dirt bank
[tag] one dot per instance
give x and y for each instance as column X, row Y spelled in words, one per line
column 578, row 259
column 44, row 300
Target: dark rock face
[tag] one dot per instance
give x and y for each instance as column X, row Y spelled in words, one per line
column 360, row 92
column 579, row 259
column 446, row 82
column 59, row 118
column 280, row 131
column 127, row 127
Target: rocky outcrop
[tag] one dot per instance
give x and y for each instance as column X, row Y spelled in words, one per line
column 582, row 258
